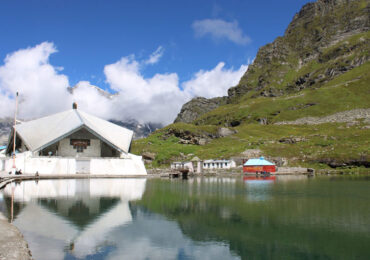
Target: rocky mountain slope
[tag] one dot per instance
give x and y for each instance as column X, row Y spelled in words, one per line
column 319, row 69
column 197, row 107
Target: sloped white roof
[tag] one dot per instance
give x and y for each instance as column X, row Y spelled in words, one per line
column 40, row 133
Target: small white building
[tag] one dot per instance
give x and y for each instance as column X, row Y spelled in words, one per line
column 181, row 165
column 218, row 164
column 72, row 142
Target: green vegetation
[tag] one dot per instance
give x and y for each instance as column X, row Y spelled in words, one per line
column 345, row 92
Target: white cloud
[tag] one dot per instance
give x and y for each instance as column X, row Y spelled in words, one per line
column 215, row 82
column 219, row 29
column 155, row 99
column 43, row 88
column 155, row 56
column 90, row 100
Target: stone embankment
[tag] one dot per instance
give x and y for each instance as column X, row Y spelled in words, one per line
column 349, row 116
column 12, row 244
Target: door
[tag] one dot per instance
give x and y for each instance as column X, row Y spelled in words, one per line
column 82, row 166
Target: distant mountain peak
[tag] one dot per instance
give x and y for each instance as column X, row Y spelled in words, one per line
column 101, row 91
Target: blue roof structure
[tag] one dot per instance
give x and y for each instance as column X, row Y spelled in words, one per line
column 258, row 162
column 2, row 147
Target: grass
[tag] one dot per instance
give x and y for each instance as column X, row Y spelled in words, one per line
column 347, row 91
column 330, row 141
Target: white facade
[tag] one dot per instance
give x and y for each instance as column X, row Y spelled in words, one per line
column 131, row 165
column 219, row 164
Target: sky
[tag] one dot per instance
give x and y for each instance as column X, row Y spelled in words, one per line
column 156, row 55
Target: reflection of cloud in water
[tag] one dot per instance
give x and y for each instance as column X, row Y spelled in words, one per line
column 151, row 236
column 48, row 222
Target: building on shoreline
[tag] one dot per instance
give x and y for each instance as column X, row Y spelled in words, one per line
column 197, row 165
column 72, row 142
column 219, row 164
column 259, row 165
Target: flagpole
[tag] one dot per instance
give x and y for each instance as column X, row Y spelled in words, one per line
column 15, row 132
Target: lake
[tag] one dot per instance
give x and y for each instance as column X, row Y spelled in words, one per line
column 287, row 217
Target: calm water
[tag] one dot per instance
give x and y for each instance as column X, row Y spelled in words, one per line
column 202, row 218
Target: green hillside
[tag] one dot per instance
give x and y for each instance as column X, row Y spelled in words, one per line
column 319, row 68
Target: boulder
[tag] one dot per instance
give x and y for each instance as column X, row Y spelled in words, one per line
column 148, row 156
column 223, row 131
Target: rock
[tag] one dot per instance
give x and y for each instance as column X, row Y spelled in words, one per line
column 252, row 153
column 234, row 123
column 202, row 141
column 349, row 116
column 262, row 121
column 197, row 107
column 279, row 161
column 335, row 163
column 148, row 156
column 223, row 131
column 291, row 140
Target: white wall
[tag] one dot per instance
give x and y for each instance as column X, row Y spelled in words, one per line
column 66, row 149
column 42, row 165
column 131, row 165
column 118, row 166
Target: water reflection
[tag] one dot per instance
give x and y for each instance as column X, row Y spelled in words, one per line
column 95, row 219
column 72, row 215
column 289, row 217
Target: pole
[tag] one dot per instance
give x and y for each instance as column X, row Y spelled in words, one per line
column 15, row 132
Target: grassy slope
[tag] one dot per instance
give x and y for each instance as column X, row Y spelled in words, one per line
column 345, row 92
column 325, row 141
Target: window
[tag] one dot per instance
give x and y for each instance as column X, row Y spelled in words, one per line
column 80, row 149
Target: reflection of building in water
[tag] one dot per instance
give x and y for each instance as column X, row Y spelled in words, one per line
column 81, row 212
column 259, row 188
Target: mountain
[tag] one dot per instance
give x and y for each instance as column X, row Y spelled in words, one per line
column 99, row 90
column 141, row 130
column 197, row 107
column 5, row 125
column 304, row 100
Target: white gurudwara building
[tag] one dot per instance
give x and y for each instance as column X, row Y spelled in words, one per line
column 72, row 142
